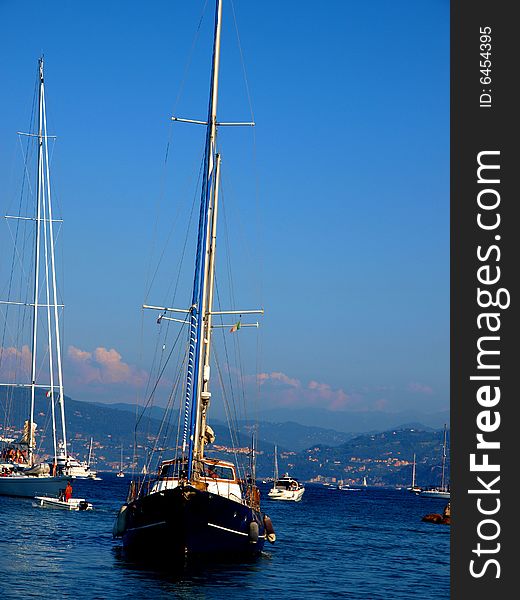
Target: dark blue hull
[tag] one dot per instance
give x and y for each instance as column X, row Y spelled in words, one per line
column 185, row 521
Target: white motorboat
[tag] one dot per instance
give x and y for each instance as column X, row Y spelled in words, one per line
column 71, row 467
column 286, row 487
column 70, row 504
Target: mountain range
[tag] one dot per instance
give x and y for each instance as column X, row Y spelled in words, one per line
column 307, row 451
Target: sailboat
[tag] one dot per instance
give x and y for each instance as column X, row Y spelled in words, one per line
column 120, row 472
column 443, row 490
column 414, row 488
column 286, row 487
column 22, row 473
column 197, row 504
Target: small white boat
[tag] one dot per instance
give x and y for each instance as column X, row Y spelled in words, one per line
column 435, row 493
column 345, row 487
column 442, row 491
column 414, row 488
column 285, row 488
column 70, row 504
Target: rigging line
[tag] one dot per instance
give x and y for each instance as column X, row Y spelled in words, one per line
column 170, row 233
column 241, row 227
column 158, row 378
column 179, row 371
column 190, row 58
column 227, row 355
column 183, row 253
column 167, row 411
column 140, row 359
column 242, row 61
column 170, row 136
column 233, row 433
column 236, row 345
column 166, row 418
column 253, row 133
column 15, row 240
column 17, row 255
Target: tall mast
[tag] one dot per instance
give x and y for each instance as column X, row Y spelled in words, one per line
column 39, row 195
column 443, row 458
column 44, row 227
column 413, row 472
column 204, row 374
column 54, row 288
column 197, row 379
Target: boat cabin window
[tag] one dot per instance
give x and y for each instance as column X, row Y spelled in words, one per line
column 170, row 470
column 218, row 472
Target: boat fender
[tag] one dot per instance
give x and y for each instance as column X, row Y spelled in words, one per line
column 268, row 524
column 120, row 522
column 254, row 532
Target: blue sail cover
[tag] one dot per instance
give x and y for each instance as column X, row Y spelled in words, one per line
column 196, row 317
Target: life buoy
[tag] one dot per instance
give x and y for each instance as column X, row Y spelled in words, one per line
column 269, row 529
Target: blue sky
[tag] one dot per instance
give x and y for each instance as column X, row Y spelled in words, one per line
column 342, row 189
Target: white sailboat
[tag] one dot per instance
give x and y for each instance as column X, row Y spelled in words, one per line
column 120, row 472
column 443, row 490
column 23, row 474
column 285, row 488
column 414, row 488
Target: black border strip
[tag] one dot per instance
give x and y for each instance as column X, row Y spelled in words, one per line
column 481, row 123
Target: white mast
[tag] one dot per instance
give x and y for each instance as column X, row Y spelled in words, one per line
column 413, row 472
column 443, row 459
column 89, row 452
column 54, row 289
column 39, row 193
column 203, row 394
column 44, row 220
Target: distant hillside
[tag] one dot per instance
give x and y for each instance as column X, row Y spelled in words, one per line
column 384, row 458
column 308, row 452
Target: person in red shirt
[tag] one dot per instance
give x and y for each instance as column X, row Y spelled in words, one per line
column 68, row 492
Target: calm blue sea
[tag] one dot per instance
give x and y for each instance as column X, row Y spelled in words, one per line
column 367, row 545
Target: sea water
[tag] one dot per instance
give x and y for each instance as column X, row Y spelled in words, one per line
column 367, row 545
